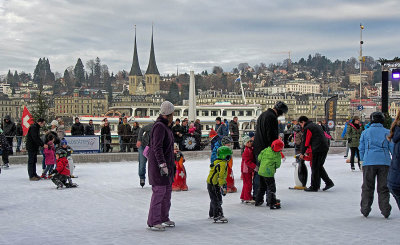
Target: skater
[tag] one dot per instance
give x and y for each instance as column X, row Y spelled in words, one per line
column 300, row 172
column 19, row 134
column 125, row 132
column 62, row 174
column 64, row 145
column 375, row 150
column 143, row 141
column 50, row 159
column 105, row 136
column 230, row 179
column 344, row 137
column 33, row 142
column 9, row 130
column 180, row 174
column 77, row 128
column 216, row 183
column 393, row 179
column 354, row 131
column 248, row 167
column 5, row 149
column 314, row 136
column 135, row 134
column 266, row 132
column 270, row 159
column 234, row 130
column 161, row 168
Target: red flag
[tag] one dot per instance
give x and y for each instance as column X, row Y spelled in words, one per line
column 27, row 120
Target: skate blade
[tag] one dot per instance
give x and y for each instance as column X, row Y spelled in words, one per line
column 152, row 228
column 220, row 221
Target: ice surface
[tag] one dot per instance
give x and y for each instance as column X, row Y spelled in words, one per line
column 110, row 207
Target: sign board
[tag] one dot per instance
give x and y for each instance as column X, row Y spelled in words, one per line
column 360, row 107
column 330, row 112
column 84, row 144
column 331, row 124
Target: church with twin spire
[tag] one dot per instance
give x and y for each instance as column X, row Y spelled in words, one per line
column 150, row 83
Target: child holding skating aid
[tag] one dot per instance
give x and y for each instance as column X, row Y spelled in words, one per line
column 69, row 150
column 180, row 173
column 62, row 173
column 248, row 167
column 270, row 159
column 216, row 183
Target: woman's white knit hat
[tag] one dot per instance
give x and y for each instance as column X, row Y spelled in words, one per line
column 166, row 108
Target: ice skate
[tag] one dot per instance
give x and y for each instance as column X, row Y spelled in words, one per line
column 5, row 165
column 158, row 227
column 142, row 182
column 250, row 202
column 220, row 219
column 275, row 206
column 169, row 223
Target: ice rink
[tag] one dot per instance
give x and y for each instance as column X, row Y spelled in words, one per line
column 109, row 207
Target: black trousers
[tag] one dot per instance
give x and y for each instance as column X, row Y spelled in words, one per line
column 4, row 156
column 266, row 184
column 235, row 139
column 216, row 201
column 370, row 173
column 318, row 171
column 353, row 152
column 10, row 143
column 32, row 160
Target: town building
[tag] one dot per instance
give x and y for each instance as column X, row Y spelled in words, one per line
column 302, row 87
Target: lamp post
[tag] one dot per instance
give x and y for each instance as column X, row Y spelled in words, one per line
column 361, row 60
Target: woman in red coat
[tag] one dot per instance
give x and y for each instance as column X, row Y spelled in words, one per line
column 248, row 168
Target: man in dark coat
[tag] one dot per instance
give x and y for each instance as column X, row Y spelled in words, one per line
column 266, row 132
column 161, row 168
column 77, row 128
column 234, row 130
column 9, row 130
column 314, row 137
column 89, row 129
column 33, row 142
column 177, row 131
column 124, row 131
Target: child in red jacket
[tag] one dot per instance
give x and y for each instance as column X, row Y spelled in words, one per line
column 248, row 167
column 180, row 174
column 62, row 173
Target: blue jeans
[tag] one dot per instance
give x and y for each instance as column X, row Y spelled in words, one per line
column 142, row 163
column 19, row 142
column 48, row 168
column 396, row 195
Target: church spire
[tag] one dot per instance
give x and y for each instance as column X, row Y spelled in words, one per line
column 135, row 69
column 152, row 68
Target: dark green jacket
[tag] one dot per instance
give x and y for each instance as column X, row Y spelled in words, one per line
column 353, row 135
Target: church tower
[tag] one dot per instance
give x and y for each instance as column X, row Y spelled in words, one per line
column 152, row 76
column 135, row 75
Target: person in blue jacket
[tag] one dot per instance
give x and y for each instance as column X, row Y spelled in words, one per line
column 375, row 152
column 344, row 136
column 393, row 179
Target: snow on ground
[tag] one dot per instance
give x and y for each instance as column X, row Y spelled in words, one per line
column 109, row 207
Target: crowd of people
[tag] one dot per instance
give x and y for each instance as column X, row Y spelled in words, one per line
column 160, row 149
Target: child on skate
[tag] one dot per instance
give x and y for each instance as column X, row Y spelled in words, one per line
column 216, row 183
column 5, row 149
column 62, row 173
column 50, row 159
column 248, row 167
column 69, row 150
column 270, row 160
column 180, row 174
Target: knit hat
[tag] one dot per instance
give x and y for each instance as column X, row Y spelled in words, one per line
column 356, row 118
column 63, row 142
column 54, row 123
column 246, row 139
column 167, row 108
column 277, row 145
column 251, row 134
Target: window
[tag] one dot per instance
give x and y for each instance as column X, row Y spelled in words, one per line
column 185, row 113
column 224, row 113
column 249, row 113
column 233, row 113
column 214, row 113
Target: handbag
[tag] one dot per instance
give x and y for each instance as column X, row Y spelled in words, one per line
column 146, row 151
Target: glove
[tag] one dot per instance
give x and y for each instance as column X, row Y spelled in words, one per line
column 163, row 169
column 54, row 171
column 224, row 190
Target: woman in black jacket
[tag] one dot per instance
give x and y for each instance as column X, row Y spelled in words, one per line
column 105, row 133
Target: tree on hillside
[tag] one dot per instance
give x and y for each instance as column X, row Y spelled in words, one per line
column 79, row 73
column 15, row 80
column 97, row 72
column 42, row 74
column 68, row 81
column 217, row 70
column 41, row 108
column 173, row 94
column 108, row 87
column 10, row 77
column 90, row 66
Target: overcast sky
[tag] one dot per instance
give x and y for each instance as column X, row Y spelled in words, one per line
column 195, row 35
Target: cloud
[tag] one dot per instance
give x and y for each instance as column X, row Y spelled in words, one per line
column 191, row 34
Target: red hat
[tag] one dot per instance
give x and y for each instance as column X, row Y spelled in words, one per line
column 212, row 134
column 277, row 145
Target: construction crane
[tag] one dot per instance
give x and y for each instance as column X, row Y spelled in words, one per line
column 288, row 53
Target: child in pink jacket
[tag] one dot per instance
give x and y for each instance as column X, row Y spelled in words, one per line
column 50, row 157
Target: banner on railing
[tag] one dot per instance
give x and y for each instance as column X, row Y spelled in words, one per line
column 84, row 144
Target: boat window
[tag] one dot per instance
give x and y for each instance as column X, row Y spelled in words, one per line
column 224, row 113
column 207, row 127
column 241, row 113
column 233, row 113
column 249, row 113
column 197, row 113
column 185, row 113
column 177, row 113
column 214, row 113
column 204, row 113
